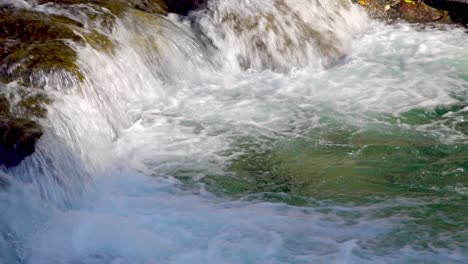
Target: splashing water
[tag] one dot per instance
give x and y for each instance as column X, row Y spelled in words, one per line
column 272, row 131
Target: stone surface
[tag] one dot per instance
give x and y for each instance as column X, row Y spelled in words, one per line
column 415, row 11
column 18, row 136
column 34, row 44
column 18, row 139
column 457, row 9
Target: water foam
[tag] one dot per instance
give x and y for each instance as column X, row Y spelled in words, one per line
column 175, row 109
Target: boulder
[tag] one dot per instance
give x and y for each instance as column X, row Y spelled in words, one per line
column 18, row 138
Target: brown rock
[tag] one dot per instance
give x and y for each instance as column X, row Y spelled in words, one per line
column 414, row 11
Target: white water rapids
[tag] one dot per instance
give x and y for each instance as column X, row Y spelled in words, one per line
column 172, row 101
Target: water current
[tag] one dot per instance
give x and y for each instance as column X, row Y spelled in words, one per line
column 250, row 132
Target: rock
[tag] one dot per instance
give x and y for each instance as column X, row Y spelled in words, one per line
column 417, row 11
column 150, row 6
column 457, row 9
column 18, row 139
column 414, row 11
column 34, row 44
column 117, row 7
column 31, row 44
column 18, row 136
column 183, row 7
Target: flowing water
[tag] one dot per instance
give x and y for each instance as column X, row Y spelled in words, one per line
column 277, row 131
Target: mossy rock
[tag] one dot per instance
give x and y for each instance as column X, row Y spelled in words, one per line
column 32, row 104
column 18, row 138
column 19, row 131
column 4, row 106
column 34, row 44
column 31, row 63
column 23, row 102
column 99, row 41
column 117, row 7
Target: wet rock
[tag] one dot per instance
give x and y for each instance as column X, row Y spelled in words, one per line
column 150, row 6
column 18, row 136
column 457, row 9
column 183, row 7
column 117, row 7
column 415, row 11
column 35, row 50
column 18, row 139
column 32, row 44
column 4, row 106
column 418, row 11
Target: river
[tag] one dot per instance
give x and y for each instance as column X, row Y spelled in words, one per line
column 251, row 132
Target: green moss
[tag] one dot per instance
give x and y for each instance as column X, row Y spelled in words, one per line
column 28, row 26
column 115, row 7
column 4, row 106
column 118, row 7
column 33, row 43
column 41, row 58
column 99, row 41
column 32, row 104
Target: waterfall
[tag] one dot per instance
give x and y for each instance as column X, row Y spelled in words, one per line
column 173, row 113
column 156, row 58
